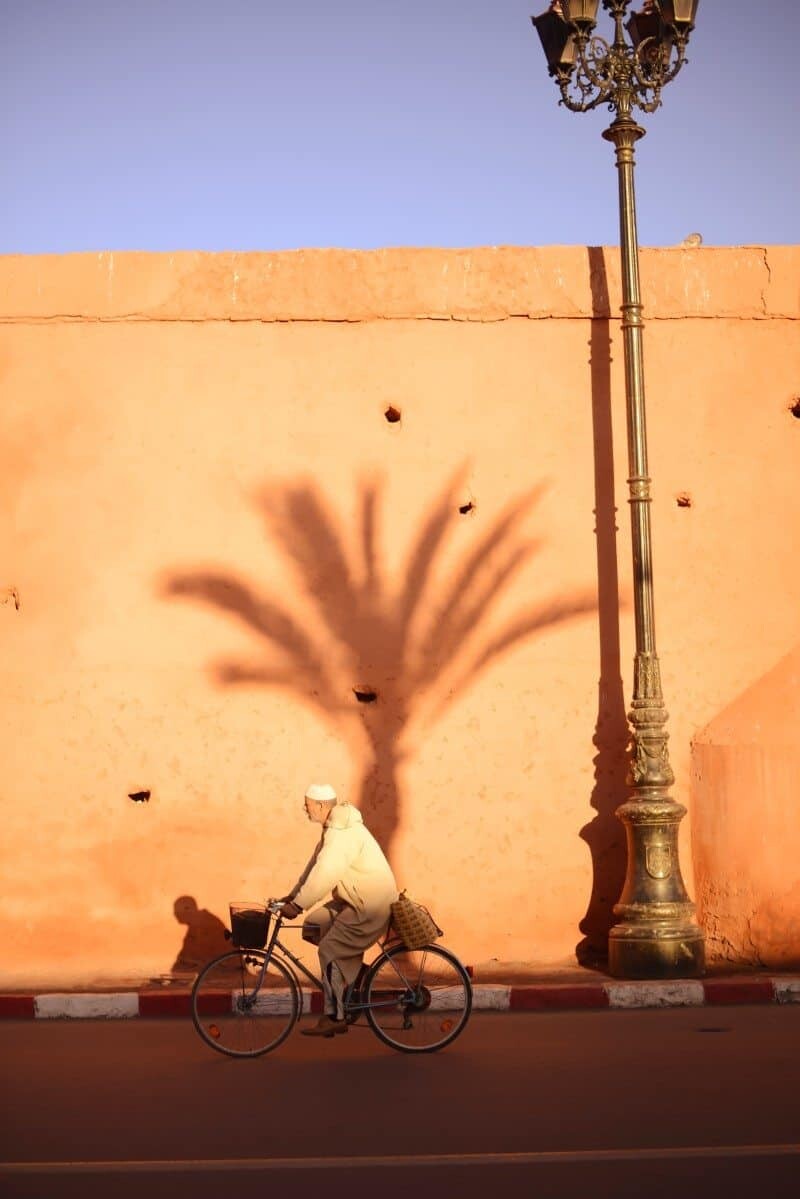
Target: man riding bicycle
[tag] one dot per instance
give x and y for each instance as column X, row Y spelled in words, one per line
column 350, row 865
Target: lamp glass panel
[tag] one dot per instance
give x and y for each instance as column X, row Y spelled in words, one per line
column 679, row 12
column 642, row 25
column 557, row 40
column 582, row 12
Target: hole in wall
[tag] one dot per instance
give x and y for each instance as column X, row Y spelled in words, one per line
column 139, row 796
column 465, row 509
column 392, row 414
column 794, row 408
column 365, row 695
column 683, row 499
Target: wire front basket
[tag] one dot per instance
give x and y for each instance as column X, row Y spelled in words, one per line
column 249, row 924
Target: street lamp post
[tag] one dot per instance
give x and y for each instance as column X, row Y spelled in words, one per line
column 657, row 935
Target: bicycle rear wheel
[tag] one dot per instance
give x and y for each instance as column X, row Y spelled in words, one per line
column 419, row 999
column 232, row 1016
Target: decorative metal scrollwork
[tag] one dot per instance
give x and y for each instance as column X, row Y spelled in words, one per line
column 620, row 74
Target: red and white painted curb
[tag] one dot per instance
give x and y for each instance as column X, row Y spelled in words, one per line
column 486, row 997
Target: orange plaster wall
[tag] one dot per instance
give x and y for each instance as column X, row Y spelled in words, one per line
column 160, row 412
column 745, row 771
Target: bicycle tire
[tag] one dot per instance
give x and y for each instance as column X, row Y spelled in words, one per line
column 234, row 1020
column 419, row 999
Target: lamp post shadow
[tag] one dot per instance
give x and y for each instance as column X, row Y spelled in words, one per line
column 604, row 834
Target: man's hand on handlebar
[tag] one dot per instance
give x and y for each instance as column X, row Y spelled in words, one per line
column 289, row 910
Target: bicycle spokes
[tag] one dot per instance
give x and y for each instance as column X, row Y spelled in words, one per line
column 244, row 1005
column 418, row 1000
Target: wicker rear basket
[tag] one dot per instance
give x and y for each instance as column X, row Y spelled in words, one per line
column 413, row 924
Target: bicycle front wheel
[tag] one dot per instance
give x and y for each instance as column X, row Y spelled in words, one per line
column 236, row 1011
column 419, row 999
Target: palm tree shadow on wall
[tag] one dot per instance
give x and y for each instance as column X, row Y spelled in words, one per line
column 371, row 658
column 604, row 834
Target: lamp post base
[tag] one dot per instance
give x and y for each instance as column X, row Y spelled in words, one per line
column 656, row 951
column 658, row 935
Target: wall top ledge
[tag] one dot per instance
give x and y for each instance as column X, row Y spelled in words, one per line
column 481, row 284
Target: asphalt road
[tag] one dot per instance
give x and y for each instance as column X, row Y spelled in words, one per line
column 603, row 1103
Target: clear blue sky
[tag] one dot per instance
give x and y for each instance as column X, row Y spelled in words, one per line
column 276, row 124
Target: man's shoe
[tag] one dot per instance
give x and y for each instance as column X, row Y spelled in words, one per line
column 325, row 1027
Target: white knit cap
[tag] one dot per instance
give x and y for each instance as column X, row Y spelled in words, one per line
column 321, row 792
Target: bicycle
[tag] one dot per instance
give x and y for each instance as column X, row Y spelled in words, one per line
column 245, row 1002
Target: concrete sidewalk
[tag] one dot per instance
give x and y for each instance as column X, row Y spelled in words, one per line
column 497, row 986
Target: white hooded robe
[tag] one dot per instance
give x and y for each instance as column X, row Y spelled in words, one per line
column 349, row 861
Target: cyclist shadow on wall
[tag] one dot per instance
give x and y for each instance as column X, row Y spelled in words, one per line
column 377, row 660
column 204, row 937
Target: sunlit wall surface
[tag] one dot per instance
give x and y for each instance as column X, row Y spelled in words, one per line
column 361, row 518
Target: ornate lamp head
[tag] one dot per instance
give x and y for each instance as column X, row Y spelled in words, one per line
column 647, row 24
column 558, row 40
column 581, row 13
column 680, row 14
column 623, row 74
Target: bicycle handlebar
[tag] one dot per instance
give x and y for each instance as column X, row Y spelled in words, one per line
column 274, row 906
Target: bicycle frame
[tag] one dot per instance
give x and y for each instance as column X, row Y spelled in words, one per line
column 268, row 949
column 274, row 943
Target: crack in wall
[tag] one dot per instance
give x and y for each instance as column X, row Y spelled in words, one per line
column 151, row 318
column 764, row 290
column 754, row 951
